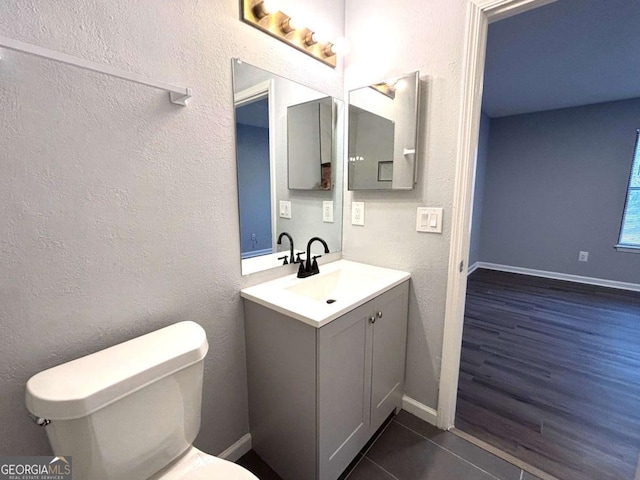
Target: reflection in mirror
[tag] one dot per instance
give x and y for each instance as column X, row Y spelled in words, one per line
column 309, row 133
column 383, row 131
column 269, row 152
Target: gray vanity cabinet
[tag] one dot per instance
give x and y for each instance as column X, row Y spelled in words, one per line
column 317, row 395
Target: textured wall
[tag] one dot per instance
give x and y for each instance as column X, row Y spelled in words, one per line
column 118, row 209
column 478, row 188
column 389, row 39
column 556, row 184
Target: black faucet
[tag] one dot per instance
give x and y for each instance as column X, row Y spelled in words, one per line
column 285, row 234
column 307, row 268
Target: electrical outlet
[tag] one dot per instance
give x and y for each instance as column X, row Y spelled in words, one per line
column 357, row 213
column 285, row 209
column 583, row 256
column 327, row 211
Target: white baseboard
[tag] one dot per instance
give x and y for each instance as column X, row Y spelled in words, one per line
column 238, row 449
column 420, row 410
column 559, row 276
column 473, row 268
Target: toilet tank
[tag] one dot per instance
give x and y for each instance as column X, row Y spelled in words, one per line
column 127, row 411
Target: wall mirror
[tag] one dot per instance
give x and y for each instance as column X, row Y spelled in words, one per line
column 289, row 138
column 383, row 131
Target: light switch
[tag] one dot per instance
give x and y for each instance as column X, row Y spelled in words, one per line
column 429, row 220
column 285, row 209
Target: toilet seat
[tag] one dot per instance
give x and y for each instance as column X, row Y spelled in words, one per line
column 221, row 469
column 197, row 465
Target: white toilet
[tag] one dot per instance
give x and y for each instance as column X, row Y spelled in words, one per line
column 131, row 411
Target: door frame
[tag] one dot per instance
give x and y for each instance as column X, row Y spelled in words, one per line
column 480, row 13
column 249, row 95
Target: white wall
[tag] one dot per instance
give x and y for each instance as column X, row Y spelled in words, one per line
column 391, row 38
column 118, row 210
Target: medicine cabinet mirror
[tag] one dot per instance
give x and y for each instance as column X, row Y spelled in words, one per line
column 383, row 131
column 288, row 140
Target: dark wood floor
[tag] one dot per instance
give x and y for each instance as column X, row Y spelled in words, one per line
column 550, row 373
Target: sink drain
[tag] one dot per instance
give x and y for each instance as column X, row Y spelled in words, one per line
column 330, row 301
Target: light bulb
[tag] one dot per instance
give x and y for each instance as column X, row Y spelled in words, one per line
column 265, row 7
column 271, row 6
column 400, row 85
column 311, row 38
column 340, row 46
column 329, row 50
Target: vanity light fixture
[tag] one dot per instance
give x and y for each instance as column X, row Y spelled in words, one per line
column 400, row 85
column 390, row 87
column 264, row 8
column 329, row 50
column 266, row 16
column 311, row 38
column 288, row 25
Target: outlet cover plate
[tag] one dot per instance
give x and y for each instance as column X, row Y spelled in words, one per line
column 327, row 211
column 357, row 213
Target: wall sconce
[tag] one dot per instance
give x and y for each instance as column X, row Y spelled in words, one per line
column 264, row 15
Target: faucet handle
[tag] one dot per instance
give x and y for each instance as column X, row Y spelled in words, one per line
column 298, row 259
column 285, row 258
column 314, row 265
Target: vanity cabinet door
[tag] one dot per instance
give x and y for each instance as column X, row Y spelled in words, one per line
column 344, row 386
column 389, row 351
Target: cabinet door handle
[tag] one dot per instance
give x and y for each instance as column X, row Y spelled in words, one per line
column 372, row 319
column 379, row 314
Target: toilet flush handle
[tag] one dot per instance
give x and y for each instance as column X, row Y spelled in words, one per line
column 43, row 422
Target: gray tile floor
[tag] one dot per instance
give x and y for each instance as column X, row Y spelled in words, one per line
column 409, row 449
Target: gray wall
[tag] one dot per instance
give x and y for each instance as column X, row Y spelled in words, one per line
column 118, row 210
column 478, row 188
column 555, row 185
column 389, row 39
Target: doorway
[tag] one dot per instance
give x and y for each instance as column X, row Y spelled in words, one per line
column 476, row 65
column 254, row 177
column 480, row 14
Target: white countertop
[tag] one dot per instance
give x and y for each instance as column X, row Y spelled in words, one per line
column 350, row 284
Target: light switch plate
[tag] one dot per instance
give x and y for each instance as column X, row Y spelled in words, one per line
column 357, row 213
column 327, row 211
column 285, row 209
column 429, row 220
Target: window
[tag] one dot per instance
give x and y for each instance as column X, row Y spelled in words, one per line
column 630, row 230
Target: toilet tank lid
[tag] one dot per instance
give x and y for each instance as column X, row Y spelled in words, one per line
column 82, row 386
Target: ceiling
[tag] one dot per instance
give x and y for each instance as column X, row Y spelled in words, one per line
column 565, row 54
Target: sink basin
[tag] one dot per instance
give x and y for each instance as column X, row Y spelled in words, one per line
column 340, row 287
column 334, row 285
